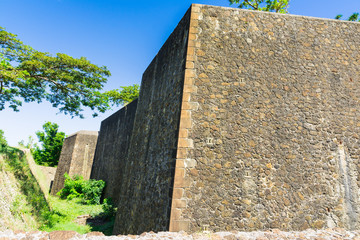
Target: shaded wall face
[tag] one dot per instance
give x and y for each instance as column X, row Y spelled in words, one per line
column 276, row 135
column 83, row 155
column 145, row 194
column 64, row 164
column 76, row 158
column 111, row 150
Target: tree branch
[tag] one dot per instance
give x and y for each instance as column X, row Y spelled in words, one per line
column 255, row 8
column 48, row 80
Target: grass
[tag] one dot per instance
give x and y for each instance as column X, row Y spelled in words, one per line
column 65, row 213
column 15, row 213
column 29, row 187
column 55, row 213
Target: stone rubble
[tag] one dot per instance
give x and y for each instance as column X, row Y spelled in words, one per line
column 274, row 234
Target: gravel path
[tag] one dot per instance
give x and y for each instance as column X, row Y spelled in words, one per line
column 335, row 233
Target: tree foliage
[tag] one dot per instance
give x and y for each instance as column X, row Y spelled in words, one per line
column 124, row 96
column 3, row 142
column 52, row 141
column 279, row 6
column 353, row 18
column 32, row 76
column 69, row 84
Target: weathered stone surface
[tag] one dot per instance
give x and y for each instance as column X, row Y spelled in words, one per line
column 280, row 108
column 145, row 192
column 76, row 157
column 62, row 235
column 246, row 121
column 94, row 234
column 274, row 234
column 111, row 150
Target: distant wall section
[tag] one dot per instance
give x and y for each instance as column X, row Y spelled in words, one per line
column 112, row 148
column 76, row 157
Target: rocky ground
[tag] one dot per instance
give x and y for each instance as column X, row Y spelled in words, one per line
column 265, row 235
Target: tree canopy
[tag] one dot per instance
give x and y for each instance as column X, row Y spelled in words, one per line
column 125, row 95
column 68, row 83
column 51, row 140
column 279, row 6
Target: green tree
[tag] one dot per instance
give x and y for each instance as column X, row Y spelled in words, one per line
column 68, row 83
column 124, row 96
column 52, row 141
column 3, row 142
column 353, row 18
column 279, row 6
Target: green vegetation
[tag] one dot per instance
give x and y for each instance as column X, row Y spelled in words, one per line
column 16, row 213
column 82, row 197
column 353, row 18
column 68, row 83
column 279, row 6
column 55, row 213
column 52, row 141
column 29, row 187
column 3, row 142
column 109, row 211
column 88, row 191
column 124, row 96
column 65, row 213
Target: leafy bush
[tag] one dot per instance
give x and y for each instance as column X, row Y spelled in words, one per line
column 108, row 208
column 89, row 191
column 3, row 142
column 52, row 142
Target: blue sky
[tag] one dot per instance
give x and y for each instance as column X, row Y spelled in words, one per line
column 122, row 35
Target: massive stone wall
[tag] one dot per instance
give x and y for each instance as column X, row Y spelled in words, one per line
column 76, row 157
column 276, row 130
column 111, row 150
column 145, row 193
column 245, row 121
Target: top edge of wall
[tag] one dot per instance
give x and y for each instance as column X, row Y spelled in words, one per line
column 279, row 14
column 122, row 109
column 84, row 132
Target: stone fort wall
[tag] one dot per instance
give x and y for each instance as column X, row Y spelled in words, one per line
column 146, row 190
column 245, row 121
column 76, row 157
column 111, row 150
column 276, row 132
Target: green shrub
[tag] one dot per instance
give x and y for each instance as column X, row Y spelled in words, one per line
column 108, row 208
column 88, row 191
